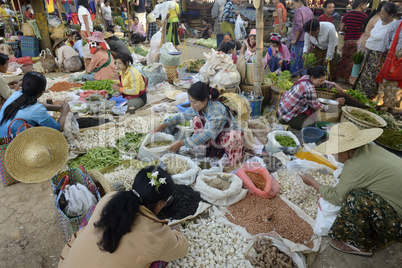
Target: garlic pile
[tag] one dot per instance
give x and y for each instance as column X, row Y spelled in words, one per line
column 308, row 203
column 55, row 96
column 92, row 138
column 212, row 244
column 123, row 175
column 175, row 165
column 144, row 124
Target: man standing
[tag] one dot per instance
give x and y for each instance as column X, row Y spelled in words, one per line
column 217, row 13
column 107, row 14
column 329, row 8
column 140, row 12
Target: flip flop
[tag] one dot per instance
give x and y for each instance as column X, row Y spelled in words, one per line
column 356, row 251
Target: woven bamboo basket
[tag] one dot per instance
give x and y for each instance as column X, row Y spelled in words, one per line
column 276, row 94
column 266, row 91
column 332, row 115
column 347, row 117
column 172, row 73
column 57, row 33
column 195, row 23
column 27, row 30
column 325, row 94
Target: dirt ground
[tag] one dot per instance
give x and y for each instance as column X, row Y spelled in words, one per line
column 30, row 236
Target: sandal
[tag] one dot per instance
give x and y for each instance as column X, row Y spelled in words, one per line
column 356, row 251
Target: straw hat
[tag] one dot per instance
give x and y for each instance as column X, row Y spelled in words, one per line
column 107, row 35
column 36, row 154
column 97, row 37
column 346, row 136
column 58, row 41
column 96, row 176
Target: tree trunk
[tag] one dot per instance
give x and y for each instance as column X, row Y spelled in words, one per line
column 115, row 7
column 41, row 20
column 259, row 46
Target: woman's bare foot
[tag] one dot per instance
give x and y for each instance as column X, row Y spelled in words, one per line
column 346, row 248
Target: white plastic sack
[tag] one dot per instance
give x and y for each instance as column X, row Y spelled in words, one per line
column 137, row 58
column 227, row 197
column 53, row 21
column 71, row 128
column 273, row 146
column 240, row 31
column 189, row 176
column 150, row 154
column 326, row 215
column 224, row 79
column 79, row 199
column 155, row 46
column 300, row 165
column 162, row 9
column 154, row 72
column 167, row 59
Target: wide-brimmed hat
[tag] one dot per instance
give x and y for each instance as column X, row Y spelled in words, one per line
column 107, row 35
column 58, row 41
column 97, row 37
column 347, row 136
column 36, row 154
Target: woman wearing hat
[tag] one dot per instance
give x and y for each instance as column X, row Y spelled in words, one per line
column 102, row 64
column 278, row 55
column 124, row 230
column 67, row 56
column 24, row 104
column 369, row 191
column 116, row 45
column 300, row 102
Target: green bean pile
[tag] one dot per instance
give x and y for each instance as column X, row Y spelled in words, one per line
column 97, row 158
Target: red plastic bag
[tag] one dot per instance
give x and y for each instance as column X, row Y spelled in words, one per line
column 24, row 60
column 271, row 188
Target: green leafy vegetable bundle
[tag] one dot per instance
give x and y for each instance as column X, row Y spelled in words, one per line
column 357, row 94
column 131, row 141
column 99, row 85
column 309, row 58
column 285, row 141
column 97, row 158
column 140, row 50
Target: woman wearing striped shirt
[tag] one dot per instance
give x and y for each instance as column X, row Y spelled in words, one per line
column 351, row 24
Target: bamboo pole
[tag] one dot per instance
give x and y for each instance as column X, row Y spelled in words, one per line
column 163, row 31
column 58, row 9
column 259, row 50
column 22, row 15
column 16, row 15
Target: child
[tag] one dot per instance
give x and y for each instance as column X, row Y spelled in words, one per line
column 206, row 30
column 124, row 15
column 229, row 49
column 151, row 20
column 250, row 44
column 329, row 8
column 278, row 55
column 183, row 29
column 19, row 35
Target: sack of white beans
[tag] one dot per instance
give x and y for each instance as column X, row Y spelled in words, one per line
column 147, row 154
column 182, row 169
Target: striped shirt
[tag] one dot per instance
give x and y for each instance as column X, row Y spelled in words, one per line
column 354, row 24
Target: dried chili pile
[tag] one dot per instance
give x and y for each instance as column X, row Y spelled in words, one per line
column 257, row 179
column 185, row 203
column 63, row 86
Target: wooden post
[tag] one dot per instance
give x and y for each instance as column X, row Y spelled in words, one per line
column 41, row 20
column 115, row 6
column 22, row 14
column 58, row 9
column 260, row 47
column 16, row 15
column 163, row 31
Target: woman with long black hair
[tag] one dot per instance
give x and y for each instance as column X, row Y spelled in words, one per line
column 124, row 230
column 24, row 104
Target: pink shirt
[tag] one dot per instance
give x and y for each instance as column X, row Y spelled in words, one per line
column 137, row 29
column 99, row 58
column 285, row 54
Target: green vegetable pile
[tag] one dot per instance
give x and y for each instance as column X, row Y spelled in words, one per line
column 130, row 141
column 158, row 144
column 284, row 80
column 358, row 57
column 210, row 42
column 118, row 21
column 285, row 141
column 140, row 50
column 185, row 124
column 195, row 65
column 99, row 85
column 391, row 138
column 97, row 158
column 309, row 58
column 364, row 117
column 360, row 96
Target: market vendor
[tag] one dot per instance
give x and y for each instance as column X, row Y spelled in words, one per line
column 67, row 56
column 132, row 84
column 214, row 125
column 227, row 37
column 124, row 230
column 369, row 191
column 5, row 90
column 278, row 55
column 300, row 102
column 116, row 45
column 102, row 64
column 138, row 34
column 24, row 104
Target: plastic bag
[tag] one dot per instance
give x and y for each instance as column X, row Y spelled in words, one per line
column 53, row 21
column 188, row 177
column 298, row 165
column 79, row 199
column 227, row 197
column 150, row 154
column 166, row 59
column 273, row 146
column 120, row 110
column 155, row 73
column 71, row 128
column 240, row 31
column 47, row 60
column 326, row 215
column 155, row 46
column 78, row 107
column 225, row 79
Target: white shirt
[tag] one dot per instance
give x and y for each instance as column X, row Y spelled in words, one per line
column 327, row 39
column 9, row 12
column 107, row 12
column 377, row 35
column 81, row 12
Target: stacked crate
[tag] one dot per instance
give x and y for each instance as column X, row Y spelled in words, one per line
column 15, row 46
column 29, row 46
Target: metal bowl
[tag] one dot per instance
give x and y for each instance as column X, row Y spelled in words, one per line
column 328, row 101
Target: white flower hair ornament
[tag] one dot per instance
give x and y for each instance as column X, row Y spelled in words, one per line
column 154, row 181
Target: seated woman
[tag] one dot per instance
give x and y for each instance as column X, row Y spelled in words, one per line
column 124, row 230
column 137, row 32
column 300, row 102
column 5, row 91
column 229, row 49
column 214, row 125
column 24, row 104
column 369, row 191
column 227, row 37
column 67, row 56
column 102, row 64
column 249, row 46
column 132, row 84
column 206, row 29
column 278, row 55
column 116, row 45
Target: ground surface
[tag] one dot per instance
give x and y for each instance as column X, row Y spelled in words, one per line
column 30, row 236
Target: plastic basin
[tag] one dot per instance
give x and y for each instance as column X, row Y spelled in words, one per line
column 312, row 134
column 325, row 126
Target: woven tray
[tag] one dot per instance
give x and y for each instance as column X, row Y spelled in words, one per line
column 325, row 94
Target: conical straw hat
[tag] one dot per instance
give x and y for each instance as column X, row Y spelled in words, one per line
column 36, row 154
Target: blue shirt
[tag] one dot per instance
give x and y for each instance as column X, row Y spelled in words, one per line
column 35, row 115
column 229, row 13
column 78, row 46
column 216, row 117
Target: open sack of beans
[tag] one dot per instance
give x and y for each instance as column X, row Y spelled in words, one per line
column 220, row 189
column 256, row 178
column 182, row 169
column 155, row 146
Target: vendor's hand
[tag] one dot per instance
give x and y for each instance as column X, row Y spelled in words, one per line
column 116, row 87
column 293, row 42
column 339, row 89
column 64, row 108
column 341, row 101
column 158, row 129
column 307, row 179
column 176, row 146
column 13, row 82
column 280, row 62
column 237, row 13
